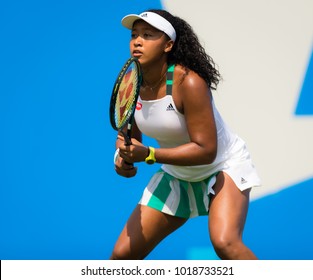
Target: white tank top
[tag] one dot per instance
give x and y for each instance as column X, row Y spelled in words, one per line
column 159, row 119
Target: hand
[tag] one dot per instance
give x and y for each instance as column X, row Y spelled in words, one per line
column 124, row 169
column 136, row 152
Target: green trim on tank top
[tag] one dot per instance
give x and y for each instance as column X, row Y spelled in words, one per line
column 169, row 79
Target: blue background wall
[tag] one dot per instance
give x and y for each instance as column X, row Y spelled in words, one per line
column 59, row 195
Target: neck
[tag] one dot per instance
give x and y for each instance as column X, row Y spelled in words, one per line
column 154, row 77
column 153, row 85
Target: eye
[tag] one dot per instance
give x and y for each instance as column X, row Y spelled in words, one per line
column 134, row 35
column 147, row 35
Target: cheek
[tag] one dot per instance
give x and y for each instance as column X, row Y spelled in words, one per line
column 156, row 49
column 131, row 46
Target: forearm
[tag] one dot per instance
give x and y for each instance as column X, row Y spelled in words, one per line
column 186, row 155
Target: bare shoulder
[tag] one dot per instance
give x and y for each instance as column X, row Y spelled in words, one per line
column 188, row 80
column 190, row 88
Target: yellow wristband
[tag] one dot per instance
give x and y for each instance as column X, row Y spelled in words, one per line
column 150, row 159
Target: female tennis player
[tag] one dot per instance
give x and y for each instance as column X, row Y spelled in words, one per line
column 206, row 168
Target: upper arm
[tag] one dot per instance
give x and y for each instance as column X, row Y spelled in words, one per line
column 196, row 101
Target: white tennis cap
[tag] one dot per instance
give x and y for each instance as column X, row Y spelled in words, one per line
column 153, row 19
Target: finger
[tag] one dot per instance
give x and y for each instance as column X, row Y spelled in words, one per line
column 126, row 156
column 126, row 173
column 123, row 164
column 124, row 150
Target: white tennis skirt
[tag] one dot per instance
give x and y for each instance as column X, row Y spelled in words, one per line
column 186, row 199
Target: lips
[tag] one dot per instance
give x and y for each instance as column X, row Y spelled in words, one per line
column 137, row 53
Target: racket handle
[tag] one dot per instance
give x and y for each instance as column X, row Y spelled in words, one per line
column 127, row 142
column 128, row 163
column 127, row 139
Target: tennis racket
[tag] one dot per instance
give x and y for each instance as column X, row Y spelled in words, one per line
column 124, row 98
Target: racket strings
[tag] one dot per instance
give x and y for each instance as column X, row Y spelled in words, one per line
column 126, row 96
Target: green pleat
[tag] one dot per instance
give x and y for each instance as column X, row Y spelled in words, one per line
column 160, row 194
column 183, row 209
column 189, row 192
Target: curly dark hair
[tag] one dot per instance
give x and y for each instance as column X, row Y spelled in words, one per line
column 188, row 52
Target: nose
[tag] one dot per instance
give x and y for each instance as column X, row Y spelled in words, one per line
column 138, row 41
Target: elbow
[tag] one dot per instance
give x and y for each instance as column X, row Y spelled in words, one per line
column 208, row 150
column 211, row 157
column 210, row 154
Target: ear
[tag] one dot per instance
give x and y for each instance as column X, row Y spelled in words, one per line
column 169, row 45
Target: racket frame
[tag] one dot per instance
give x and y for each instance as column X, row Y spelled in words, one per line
column 129, row 120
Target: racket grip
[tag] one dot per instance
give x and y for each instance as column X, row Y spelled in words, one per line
column 127, row 142
column 128, row 163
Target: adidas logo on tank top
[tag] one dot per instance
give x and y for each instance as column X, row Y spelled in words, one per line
column 170, row 107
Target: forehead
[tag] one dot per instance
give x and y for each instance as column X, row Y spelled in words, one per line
column 142, row 25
